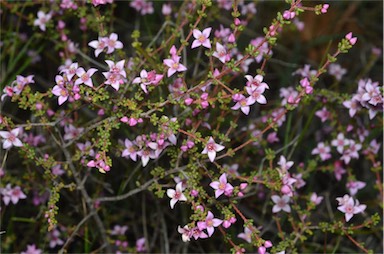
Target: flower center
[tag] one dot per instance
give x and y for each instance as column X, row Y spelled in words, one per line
column 175, row 66
column 202, row 38
column 211, row 147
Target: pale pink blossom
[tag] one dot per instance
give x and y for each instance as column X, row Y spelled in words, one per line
column 201, row 38
column 222, row 186
column 323, row 151
column 174, row 65
column 246, row 235
column 99, row 45
column 221, row 53
column 349, row 207
column 12, row 194
column 176, row 194
column 316, row 199
column 340, row 142
column 281, row 203
column 209, row 224
column 85, row 77
column 355, row 186
column 337, row 71
column 323, row 114
column 113, row 43
column 10, row 138
column 242, row 103
column 119, row 230
column 31, row 249
column 42, row 19
column 212, row 148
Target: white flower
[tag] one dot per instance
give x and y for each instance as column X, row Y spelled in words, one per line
column 42, row 19
column 211, row 148
column 10, row 138
column 176, row 195
column 281, row 203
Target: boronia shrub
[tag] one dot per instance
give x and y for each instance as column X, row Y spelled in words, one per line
column 196, row 126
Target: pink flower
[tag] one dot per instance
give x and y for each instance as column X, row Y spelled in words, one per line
column 256, row 94
column 339, row 171
column 166, row 9
column 211, row 148
column 242, row 103
column 70, row 71
column 130, row 150
column 323, row 151
column 85, row 77
column 209, row 224
column 201, row 38
column 140, row 245
column 352, row 105
column 54, row 239
column 306, row 85
column 42, row 19
column 10, row 138
column 31, row 249
column 221, row 53
column 324, row 8
column 281, row 203
column 12, row 194
column 99, row 45
column 147, row 78
column 112, row 43
column 61, row 92
column 340, row 142
column 354, row 186
column 185, row 232
column 284, row 166
column 256, row 81
column 352, row 40
column 176, row 195
column 174, row 65
column 56, row 170
column 119, row 230
column 247, row 235
column 142, row 6
column 289, row 15
column 337, row 71
column 323, row 114
column 222, row 186
column 316, row 199
column 348, row 206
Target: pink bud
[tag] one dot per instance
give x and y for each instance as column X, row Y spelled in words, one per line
column 77, row 97
column 39, row 106
column 140, row 120
column 240, row 194
column 188, row 101
column 199, row 207
column 124, row 119
column 132, row 121
column 237, row 22
column 91, row 164
column 194, row 193
column 261, row 250
column 243, row 186
column 100, row 112
column 61, row 24
column 285, row 189
column 324, row 9
column 304, row 82
column 117, row 242
column 231, row 38
column 226, row 224
column 173, row 50
column 166, row 9
column 268, row 244
column 232, row 220
column 184, row 148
